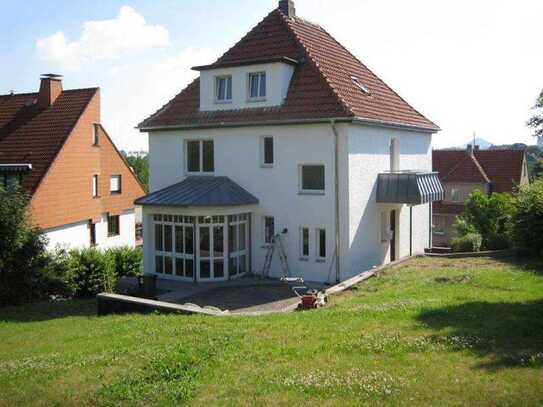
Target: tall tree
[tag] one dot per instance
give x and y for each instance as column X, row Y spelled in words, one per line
column 140, row 163
column 536, row 122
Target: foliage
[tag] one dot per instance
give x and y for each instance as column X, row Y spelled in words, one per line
column 470, row 242
column 22, row 251
column 429, row 332
column 536, row 121
column 462, row 227
column 140, row 163
column 491, row 217
column 128, row 261
column 528, row 218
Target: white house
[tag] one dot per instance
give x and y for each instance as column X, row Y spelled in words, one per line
column 287, row 133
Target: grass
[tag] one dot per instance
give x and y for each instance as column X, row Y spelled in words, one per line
column 429, row 332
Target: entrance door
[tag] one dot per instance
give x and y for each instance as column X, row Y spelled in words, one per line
column 393, row 238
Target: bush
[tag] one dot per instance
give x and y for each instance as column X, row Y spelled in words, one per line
column 467, row 243
column 491, row 217
column 528, row 218
column 58, row 276
column 128, row 261
column 93, row 271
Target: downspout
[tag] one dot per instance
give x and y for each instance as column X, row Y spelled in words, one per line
column 336, row 187
column 410, row 230
column 430, row 237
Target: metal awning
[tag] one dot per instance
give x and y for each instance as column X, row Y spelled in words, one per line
column 409, row 187
column 15, row 168
column 200, row 191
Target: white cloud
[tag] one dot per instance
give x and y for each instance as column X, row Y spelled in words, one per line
column 103, row 40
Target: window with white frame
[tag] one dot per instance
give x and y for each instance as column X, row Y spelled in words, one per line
column 113, row 225
column 200, row 156
column 269, row 229
column 115, row 184
column 267, row 151
column 304, row 243
column 455, row 195
column 223, row 89
column 238, row 244
column 95, row 186
column 174, row 245
column 311, row 179
column 257, row 86
column 321, row 244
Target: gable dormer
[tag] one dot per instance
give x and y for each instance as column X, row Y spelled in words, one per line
column 245, row 85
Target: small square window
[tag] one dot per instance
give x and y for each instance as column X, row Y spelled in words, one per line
column 257, row 86
column 113, row 227
column 269, row 229
column 267, row 148
column 223, row 88
column 115, row 184
column 312, row 179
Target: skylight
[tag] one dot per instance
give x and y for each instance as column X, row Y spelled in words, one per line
column 362, row 87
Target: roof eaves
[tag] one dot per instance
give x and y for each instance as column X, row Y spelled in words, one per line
column 396, row 125
column 247, row 62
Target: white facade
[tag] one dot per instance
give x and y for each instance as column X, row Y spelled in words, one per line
column 364, row 152
column 78, row 235
column 278, row 77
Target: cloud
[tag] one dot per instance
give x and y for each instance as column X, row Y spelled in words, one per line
column 128, row 34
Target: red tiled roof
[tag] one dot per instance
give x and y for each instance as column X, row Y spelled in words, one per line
column 441, row 207
column 321, row 87
column 29, row 134
column 502, row 168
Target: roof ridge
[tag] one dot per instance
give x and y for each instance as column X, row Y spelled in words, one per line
column 480, row 167
column 7, row 95
column 371, row 71
column 340, row 99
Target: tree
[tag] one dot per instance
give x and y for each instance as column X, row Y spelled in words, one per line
column 528, row 218
column 536, row 122
column 140, row 163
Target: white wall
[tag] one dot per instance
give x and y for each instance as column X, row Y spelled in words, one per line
column 368, row 156
column 237, row 155
column 278, row 77
column 77, row 235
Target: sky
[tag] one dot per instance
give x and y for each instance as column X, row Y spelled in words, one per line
column 470, row 66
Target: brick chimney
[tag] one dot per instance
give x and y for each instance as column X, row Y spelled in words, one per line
column 50, row 89
column 288, row 8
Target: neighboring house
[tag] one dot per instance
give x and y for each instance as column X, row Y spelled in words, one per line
column 289, row 133
column 463, row 171
column 53, row 145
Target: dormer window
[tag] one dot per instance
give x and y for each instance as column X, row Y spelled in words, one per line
column 223, row 89
column 257, row 86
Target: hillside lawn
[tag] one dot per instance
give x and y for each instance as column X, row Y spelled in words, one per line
column 428, row 332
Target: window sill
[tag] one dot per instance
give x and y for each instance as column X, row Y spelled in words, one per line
column 113, row 235
column 266, row 165
column 116, row 192
column 311, row 193
column 320, row 260
column 256, row 100
column 223, row 102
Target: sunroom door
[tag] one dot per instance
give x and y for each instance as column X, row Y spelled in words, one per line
column 211, row 244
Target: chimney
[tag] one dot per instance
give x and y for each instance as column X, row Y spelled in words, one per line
column 50, row 89
column 470, row 149
column 288, row 8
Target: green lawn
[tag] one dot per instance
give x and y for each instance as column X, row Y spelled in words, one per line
column 430, row 332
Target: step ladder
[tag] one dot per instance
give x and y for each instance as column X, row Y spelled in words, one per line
column 277, row 244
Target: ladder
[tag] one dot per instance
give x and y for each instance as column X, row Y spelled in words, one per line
column 277, row 244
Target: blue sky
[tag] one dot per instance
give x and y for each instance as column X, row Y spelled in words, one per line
column 469, row 66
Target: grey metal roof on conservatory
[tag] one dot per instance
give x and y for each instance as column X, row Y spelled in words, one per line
column 409, row 187
column 200, row 191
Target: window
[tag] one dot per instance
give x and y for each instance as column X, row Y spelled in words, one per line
column 95, row 186
column 200, row 156
column 257, row 86
column 92, row 233
column 115, row 184
column 223, row 89
column 267, row 156
column 321, row 244
column 439, row 226
column 269, row 229
column 95, row 134
column 113, row 225
column 360, row 85
column 312, row 179
column 455, row 195
column 304, row 243
column 394, row 155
